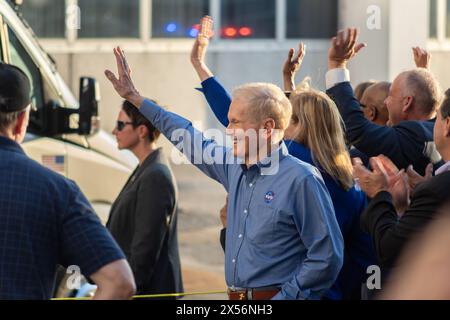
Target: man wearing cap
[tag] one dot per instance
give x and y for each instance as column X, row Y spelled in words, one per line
column 45, row 220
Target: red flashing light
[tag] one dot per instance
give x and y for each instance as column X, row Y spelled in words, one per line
column 245, row 32
column 230, row 32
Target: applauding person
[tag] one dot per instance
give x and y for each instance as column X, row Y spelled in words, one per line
column 412, row 103
column 315, row 136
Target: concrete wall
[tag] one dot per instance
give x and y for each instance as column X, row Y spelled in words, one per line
column 170, row 79
column 439, row 66
column 408, row 28
column 373, row 61
column 164, row 73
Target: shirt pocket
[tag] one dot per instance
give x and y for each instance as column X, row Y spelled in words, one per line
column 260, row 224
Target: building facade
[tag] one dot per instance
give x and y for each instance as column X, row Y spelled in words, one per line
column 251, row 43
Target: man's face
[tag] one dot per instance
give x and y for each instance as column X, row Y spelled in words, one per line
column 243, row 129
column 373, row 103
column 440, row 132
column 395, row 101
column 366, row 106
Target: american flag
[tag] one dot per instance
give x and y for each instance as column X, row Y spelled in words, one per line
column 55, row 163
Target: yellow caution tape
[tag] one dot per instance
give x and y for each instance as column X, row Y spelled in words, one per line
column 149, row 296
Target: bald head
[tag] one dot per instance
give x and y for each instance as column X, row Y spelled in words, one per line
column 373, row 104
column 362, row 87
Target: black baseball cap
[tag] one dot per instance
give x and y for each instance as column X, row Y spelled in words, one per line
column 14, row 89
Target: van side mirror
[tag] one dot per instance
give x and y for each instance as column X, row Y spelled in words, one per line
column 89, row 100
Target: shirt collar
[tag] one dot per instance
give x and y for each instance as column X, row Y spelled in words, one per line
column 265, row 166
column 443, row 168
column 10, row 145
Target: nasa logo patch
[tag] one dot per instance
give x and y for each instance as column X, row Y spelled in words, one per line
column 268, row 198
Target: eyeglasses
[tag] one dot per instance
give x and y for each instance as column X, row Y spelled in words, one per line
column 121, row 124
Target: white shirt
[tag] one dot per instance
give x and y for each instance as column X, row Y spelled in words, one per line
column 335, row 76
column 444, row 168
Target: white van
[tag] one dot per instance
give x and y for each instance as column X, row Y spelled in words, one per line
column 64, row 134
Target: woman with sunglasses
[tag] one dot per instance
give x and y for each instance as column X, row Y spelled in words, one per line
column 143, row 219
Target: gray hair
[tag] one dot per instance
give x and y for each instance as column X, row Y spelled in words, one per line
column 423, row 86
column 265, row 100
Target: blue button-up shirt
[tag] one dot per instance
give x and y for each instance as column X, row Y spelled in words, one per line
column 282, row 230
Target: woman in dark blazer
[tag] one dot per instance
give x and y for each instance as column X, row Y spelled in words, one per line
column 143, row 219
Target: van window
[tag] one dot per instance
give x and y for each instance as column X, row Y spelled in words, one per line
column 20, row 58
column 46, row 17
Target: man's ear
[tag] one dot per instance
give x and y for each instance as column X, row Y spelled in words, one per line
column 407, row 104
column 447, row 127
column 373, row 113
column 21, row 124
column 269, row 127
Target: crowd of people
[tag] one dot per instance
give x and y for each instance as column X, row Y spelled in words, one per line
column 321, row 186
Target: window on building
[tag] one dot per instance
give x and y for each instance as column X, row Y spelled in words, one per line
column 177, row 19
column 433, row 18
column 109, row 19
column 447, row 20
column 311, row 18
column 46, row 17
column 253, row 19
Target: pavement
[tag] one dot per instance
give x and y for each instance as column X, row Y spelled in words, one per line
column 202, row 257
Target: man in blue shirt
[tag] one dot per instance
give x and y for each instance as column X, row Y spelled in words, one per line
column 283, row 240
column 45, row 219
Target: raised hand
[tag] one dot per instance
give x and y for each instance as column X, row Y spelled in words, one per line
column 200, row 47
column 343, row 48
column 292, row 66
column 124, row 85
column 422, row 58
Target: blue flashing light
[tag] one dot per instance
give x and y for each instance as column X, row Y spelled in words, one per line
column 193, row 33
column 171, row 27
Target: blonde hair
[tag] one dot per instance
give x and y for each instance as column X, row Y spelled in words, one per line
column 265, row 100
column 321, row 130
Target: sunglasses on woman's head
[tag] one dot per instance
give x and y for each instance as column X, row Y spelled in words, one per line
column 121, row 124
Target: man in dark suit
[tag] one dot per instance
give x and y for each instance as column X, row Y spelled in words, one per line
column 143, row 219
column 412, row 102
column 391, row 217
